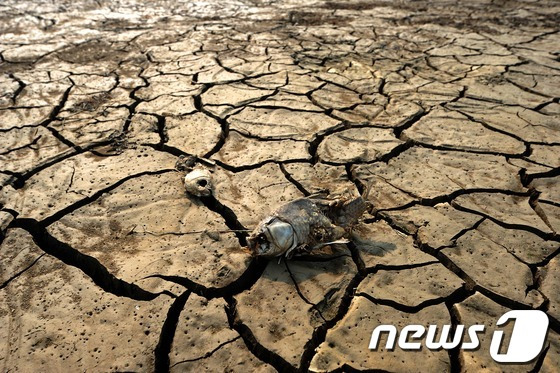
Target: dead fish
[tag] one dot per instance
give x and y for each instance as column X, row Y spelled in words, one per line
column 305, row 224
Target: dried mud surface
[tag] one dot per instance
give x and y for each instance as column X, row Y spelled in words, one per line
column 449, row 111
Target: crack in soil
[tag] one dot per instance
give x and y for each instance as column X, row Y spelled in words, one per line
column 87, row 264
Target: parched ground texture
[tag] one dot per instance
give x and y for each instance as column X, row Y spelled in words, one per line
column 450, row 112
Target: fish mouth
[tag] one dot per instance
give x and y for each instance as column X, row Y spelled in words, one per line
column 252, row 245
column 264, row 250
column 258, row 245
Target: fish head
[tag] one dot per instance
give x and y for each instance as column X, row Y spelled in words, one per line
column 199, row 183
column 272, row 237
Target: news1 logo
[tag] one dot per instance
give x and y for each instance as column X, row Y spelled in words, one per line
column 526, row 340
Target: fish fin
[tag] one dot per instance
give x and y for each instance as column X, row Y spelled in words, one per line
column 323, row 244
column 365, row 195
column 290, row 253
column 322, row 194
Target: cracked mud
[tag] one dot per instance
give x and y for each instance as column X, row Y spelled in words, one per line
column 451, row 112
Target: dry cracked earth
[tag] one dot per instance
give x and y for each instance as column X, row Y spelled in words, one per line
column 449, row 112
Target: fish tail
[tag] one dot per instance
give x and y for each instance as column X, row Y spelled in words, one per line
column 351, row 211
column 356, row 208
